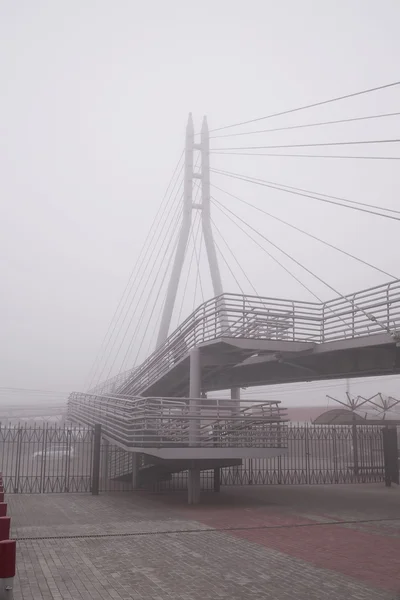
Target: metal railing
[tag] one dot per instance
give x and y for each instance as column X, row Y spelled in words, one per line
column 170, row 422
column 46, row 458
column 111, row 385
column 375, row 310
column 54, row 459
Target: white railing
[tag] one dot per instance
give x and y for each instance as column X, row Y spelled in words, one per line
column 169, row 422
column 364, row 313
column 111, row 385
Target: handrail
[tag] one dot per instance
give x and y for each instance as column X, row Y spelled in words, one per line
column 169, row 422
column 363, row 313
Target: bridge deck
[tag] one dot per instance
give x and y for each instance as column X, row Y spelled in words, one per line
column 247, row 340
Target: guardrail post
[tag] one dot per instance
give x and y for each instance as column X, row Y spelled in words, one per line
column 135, row 470
column 390, row 454
column 8, row 553
column 96, row 460
column 354, row 437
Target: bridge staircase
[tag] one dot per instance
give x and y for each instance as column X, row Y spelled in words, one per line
column 184, row 430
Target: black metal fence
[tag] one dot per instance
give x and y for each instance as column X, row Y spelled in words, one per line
column 46, row 459
column 58, row 459
column 316, row 454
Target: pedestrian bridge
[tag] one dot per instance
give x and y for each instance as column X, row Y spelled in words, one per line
column 252, row 341
column 161, row 410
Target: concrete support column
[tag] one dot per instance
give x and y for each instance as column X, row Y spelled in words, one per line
column 194, row 397
column 217, row 480
column 235, row 396
column 194, row 486
column 194, row 422
column 135, row 470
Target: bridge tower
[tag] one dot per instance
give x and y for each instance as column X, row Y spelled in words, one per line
column 188, row 207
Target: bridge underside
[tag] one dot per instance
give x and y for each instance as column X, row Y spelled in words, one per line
column 234, row 362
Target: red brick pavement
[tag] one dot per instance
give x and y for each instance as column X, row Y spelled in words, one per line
column 368, row 557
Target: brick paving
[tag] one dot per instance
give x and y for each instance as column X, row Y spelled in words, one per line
column 243, row 544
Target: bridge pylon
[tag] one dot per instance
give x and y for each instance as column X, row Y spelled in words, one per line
column 188, row 207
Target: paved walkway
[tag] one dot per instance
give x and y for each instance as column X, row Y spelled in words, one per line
column 276, row 543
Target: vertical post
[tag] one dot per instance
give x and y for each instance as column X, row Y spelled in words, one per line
column 307, row 453
column 217, row 480
column 235, row 412
column 96, row 460
column 135, row 470
column 18, row 460
column 183, row 236
column 235, row 395
column 105, row 462
column 390, row 454
column 335, row 453
column 206, row 225
column 194, row 396
column 194, row 422
column 355, row 444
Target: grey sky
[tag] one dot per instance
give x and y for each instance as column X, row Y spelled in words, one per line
column 95, row 97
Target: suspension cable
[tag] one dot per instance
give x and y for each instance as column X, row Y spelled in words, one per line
column 306, row 125
column 222, row 208
column 229, row 267
column 298, row 189
column 299, row 108
column 147, row 271
column 157, row 296
column 161, row 252
column 171, row 233
column 193, row 237
column 234, row 257
column 306, row 233
column 309, row 271
column 347, row 157
column 278, row 262
column 346, row 143
column 135, row 271
column 300, row 192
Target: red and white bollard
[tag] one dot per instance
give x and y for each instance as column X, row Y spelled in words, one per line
column 8, row 552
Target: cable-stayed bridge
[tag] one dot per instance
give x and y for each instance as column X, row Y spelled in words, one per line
column 164, row 407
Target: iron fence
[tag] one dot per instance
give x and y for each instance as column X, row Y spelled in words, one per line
column 54, row 459
column 317, row 454
column 46, row 459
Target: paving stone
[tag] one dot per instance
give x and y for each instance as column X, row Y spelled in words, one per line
column 241, row 544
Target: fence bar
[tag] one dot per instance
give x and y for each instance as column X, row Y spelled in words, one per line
column 96, row 460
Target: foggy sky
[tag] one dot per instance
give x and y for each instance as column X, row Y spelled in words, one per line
column 95, row 97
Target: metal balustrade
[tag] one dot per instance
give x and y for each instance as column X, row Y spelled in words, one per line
column 144, row 423
column 367, row 312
